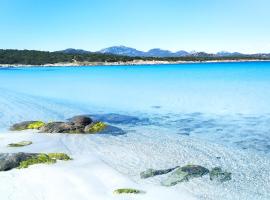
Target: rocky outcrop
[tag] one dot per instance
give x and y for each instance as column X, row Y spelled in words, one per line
column 9, row 161
column 75, row 125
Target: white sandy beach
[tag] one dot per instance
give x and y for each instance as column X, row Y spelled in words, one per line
column 85, row 177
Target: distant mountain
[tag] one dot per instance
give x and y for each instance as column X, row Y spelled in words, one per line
column 127, row 51
column 74, row 51
column 160, row 53
column 181, row 53
column 226, row 53
column 122, row 50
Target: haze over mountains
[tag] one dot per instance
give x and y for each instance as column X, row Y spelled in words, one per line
column 156, row 52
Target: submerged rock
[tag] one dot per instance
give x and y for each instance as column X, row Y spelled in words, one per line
column 217, row 174
column 20, row 144
column 184, row 174
column 27, row 125
column 128, row 191
column 118, row 118
column 9, row 161
column 152, row 172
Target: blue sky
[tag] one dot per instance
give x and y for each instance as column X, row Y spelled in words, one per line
column 201, row 25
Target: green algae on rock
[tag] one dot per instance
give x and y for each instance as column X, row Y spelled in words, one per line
column 43, row 158
column 20, row 144
column 95, row 128
column 128, row 191
column 27, row 125
column 59, row 156
column 36, row 125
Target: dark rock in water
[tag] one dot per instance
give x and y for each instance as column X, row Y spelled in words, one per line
column 62, row 127
column 217, row 174
column 12, row 160
column 152, row 172
column 69, row 127
column 184, row 174
column 81, row 120
column 118, row 119
column 27, row 125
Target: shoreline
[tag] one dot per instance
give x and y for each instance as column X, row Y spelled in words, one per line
column 130, row 63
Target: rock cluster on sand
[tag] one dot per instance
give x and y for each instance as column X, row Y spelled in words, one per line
column 77, row 124
column 20, row 160
column 185, row 173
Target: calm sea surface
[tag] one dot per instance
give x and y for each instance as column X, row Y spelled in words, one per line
column 195, row 113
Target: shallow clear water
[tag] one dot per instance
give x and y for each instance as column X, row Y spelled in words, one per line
column 197, row 112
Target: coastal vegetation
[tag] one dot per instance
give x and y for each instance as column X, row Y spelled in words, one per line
column 32, row 57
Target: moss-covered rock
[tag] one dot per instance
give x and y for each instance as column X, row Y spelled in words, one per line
column 128, row 191
column 95, row 127
column 217, row 174
column 20, row 144
column 9, row 161
column 27, row 125
column 43, row 159
column 35, row 125
column 21, row 160
column 59, row 156
column 38, row 159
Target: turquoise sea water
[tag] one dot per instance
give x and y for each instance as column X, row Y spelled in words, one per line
column 196, row 112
